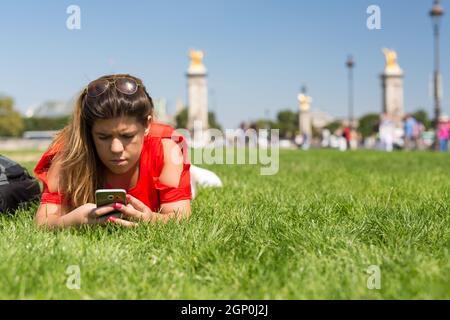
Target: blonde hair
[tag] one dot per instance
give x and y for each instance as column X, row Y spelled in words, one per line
column 82, row 171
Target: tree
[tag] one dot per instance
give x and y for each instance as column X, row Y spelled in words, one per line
column 287, row 123
column 422, row 116
column 212, row 122
column 45, row 123
column 264, row 124
column 333, row 126
column 368, row 124
column 11, row 123
column 181, row 120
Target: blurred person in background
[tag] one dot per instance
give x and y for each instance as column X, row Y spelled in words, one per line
column 443, row 133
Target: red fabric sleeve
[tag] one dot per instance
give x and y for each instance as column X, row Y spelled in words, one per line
column 41, row 171
column 51, row 197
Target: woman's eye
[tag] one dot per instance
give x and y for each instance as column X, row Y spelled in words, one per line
column 124, row 136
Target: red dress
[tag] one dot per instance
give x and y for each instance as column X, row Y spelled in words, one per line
column 148, row 188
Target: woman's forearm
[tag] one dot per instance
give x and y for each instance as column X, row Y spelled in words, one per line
column 56, row 221
column 166, row 216
column 68, row 220
column 49, row 221
column 173, row 210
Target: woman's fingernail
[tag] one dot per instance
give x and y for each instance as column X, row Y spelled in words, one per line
column 128, row 197
column 111, row 219
column 117, row 205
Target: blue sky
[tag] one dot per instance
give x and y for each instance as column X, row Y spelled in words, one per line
column 258, row 52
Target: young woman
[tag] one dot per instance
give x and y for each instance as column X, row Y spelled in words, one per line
column 111, row 142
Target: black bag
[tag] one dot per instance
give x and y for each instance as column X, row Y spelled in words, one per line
column 17, row 187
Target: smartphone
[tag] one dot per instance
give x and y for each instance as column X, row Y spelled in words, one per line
column 107, row 196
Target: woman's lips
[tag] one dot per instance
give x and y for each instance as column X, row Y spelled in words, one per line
column 118, row 162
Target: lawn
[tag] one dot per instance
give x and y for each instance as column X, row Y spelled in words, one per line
column 309, row 232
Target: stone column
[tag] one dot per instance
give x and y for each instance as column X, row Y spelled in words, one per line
column 304, row 120
column 392, row 86
column 197, row 93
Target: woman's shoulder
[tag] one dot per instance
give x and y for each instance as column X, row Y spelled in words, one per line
column 165, row 145
column 47, row 163
column 162, row 137
column 162, row 130
column 48, row 167
column 165, row 131
column 159, row 151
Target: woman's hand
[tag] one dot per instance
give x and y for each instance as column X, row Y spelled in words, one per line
column 89, row 213
column 135, row 210
column 86, row 214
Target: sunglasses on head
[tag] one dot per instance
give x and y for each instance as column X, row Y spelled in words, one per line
column 124, row 85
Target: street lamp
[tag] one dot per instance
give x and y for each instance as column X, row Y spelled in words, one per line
column 350, row 64
column 436, row 14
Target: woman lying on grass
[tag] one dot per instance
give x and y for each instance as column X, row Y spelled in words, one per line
column 112, row 143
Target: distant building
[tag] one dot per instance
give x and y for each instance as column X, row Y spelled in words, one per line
column 50, row 134
column 320, row 118
column 51, row 109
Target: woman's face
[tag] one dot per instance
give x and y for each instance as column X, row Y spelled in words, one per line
column 118, row 142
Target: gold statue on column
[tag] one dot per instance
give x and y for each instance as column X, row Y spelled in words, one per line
column 196, row 60
column 304, row 102
column 391, row 60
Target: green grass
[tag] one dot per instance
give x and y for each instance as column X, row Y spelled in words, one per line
column 308, row 232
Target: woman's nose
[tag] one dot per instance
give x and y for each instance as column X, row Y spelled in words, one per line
column 116, row 146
